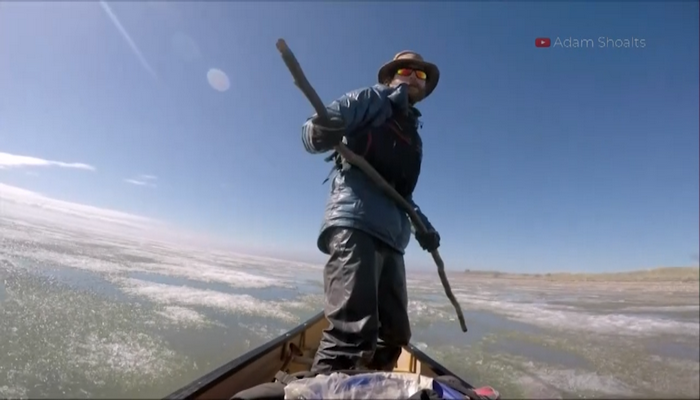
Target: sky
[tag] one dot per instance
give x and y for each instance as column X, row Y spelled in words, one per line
column 535, row 159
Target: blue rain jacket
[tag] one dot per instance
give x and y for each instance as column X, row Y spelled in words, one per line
column 355, row 201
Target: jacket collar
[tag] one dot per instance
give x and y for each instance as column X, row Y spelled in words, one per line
column 399, row 96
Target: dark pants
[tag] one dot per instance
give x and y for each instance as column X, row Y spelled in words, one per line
column 366, row 304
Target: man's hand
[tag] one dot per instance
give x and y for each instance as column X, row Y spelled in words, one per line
column 327, row 134
column 429, row 241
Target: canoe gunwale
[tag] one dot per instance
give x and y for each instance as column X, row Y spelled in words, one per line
column 212, row 379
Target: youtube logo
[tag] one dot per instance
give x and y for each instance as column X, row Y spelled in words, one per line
column 543, row 42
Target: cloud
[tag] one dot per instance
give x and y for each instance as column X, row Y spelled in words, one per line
column 148, row 177
column 22, row 207
column 8, row 160
column 27, row 204
column 125, row 35
column 29, row 215
column 142, row 180
column 28, row 208
column 136, row 182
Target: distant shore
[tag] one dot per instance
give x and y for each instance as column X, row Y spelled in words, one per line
column 664, row 274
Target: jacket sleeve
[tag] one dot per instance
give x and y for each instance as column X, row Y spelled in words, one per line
column 422, row 216
column 358, row 108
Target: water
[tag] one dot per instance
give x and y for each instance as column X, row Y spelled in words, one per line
column 95, row 314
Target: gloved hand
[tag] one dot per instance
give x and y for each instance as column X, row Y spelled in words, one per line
column 429, row 241
column 327, row 134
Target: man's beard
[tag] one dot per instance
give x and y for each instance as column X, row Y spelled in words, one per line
column 415, row 94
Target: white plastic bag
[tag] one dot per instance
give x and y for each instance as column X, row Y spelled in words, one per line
column 375, row 385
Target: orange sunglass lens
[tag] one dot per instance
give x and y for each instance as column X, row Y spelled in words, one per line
column 407, row 72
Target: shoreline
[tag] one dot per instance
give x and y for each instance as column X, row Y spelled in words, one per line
column 688, row 275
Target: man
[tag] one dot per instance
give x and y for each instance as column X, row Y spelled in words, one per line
column 364, row 232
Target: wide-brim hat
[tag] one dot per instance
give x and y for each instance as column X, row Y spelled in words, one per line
column 410, row 59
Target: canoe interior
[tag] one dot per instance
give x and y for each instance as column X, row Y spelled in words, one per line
column 290, row 352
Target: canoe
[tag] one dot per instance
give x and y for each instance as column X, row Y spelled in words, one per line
column 291, row 352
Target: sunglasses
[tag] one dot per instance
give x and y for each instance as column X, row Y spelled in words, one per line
column 408, row 71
